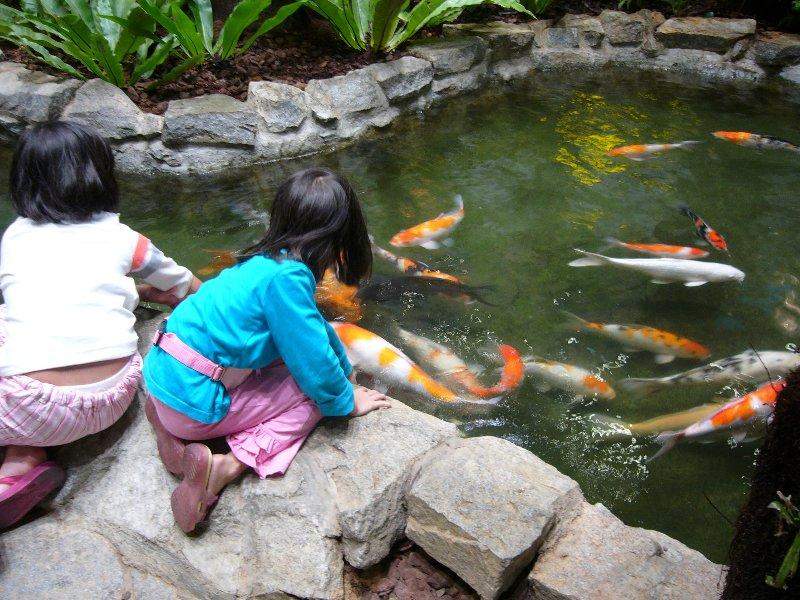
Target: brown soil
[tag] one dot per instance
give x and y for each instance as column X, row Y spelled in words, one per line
column 758, row 549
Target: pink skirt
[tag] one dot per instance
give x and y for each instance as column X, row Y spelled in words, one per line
column 268, row 420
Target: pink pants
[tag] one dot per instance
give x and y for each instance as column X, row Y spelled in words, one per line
column 268, row 420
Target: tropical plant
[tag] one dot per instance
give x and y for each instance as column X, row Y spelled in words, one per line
column 382, row 25
column 788, row 514
column 194, row 35
column 112, row 39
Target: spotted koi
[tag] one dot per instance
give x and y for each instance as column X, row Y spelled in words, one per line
column 663, row 250
column 409, row 266
column 567, row 377
column 704, row 230
column 428, row 233
column 641, row 152
column 754, row 140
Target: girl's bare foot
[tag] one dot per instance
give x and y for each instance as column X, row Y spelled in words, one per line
column 224, row 469
column 19, row 460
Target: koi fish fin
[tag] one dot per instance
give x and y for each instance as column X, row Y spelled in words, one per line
column 660, row 281
column 612, row 242
column 591, row 259
column 639, row 387
column 636, row 157
column 688, row 143
column 608, row 428
column 668, row 440
column 739, row 435
column 663, row 359
column 448, row 242
column 694, row 283
column 684, row 208
column 431, row 245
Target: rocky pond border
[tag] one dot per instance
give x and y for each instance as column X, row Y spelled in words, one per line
column 279, row 121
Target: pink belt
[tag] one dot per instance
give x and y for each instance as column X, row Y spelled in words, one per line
column 170, row 343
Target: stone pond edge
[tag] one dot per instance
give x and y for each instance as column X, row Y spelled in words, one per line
column 212, row 133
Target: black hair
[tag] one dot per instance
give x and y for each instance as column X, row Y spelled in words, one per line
column 62, row 172
column 317, row 218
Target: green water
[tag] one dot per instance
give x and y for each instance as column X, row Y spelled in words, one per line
column 531, row 167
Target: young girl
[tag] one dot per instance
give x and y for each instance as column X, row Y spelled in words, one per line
column 68, row 361
column 250, row 357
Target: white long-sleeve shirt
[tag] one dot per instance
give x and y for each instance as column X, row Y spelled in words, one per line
column 69, row 291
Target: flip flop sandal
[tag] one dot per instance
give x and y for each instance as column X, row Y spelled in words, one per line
column 170, row 448
column 28, row 490
column 190, row 501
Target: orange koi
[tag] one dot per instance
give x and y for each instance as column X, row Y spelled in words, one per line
column 640, row 152
column 222, row 259
column 428, row 233
column 409, row 266
column 744, row 138
column 373, row 355
column 665, row 250
column 567, row 377
column 338, row 300
column 734, row 416
column 704, row 230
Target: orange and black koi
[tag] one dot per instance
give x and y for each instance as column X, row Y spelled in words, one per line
column 704, row 230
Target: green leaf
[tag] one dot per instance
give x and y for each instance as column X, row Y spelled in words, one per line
column 177, row 71
column 385, row 20
column 788, row 567
column 144, row 68
column 334, row 14
column 108, row 61
column 244, row 14
column 189, row 37
column 283, row 13
column 203, row 14
column 81, row 8
column 44, row 55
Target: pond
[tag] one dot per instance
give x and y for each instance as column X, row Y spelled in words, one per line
column 532, row 168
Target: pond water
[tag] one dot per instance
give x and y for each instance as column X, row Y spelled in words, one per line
column 536, row 182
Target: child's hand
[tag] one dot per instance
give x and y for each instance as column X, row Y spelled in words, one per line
column 367, row 400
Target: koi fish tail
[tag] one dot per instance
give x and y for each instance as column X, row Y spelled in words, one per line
column 591, row 259
column 639, row 387
column 459, row 203
column 575, row 322
column 668, row 440
column 511, row 375
column 609, row 429
column 684, row 209
column 688, row 143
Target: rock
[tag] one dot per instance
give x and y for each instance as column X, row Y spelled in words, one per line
column 561, row 37
column 108, row 109
column 33, row 96
column 385, row 446
column 458, row 83
column 623, row 29
column 10, row 128
column 589, row 28
column 483, row 506
column 791, row 74
column 450, row 55
column 209, row 119
column 508, row 70
column 773, row 49
column 356, row 92
column 596, row 557
column 279, row 105
column 700, row 33
column 505, row 40
column 402, row 78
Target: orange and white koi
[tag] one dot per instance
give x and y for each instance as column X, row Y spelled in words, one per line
column 734, row 416
column 338, row 300
column 428, row 233
column 664, row 250
column 221, row 259
column 450, row 366
column 754, row 140
column 665, row 345
column 640, row 152
column 567, row 377
column 373, row 355
column 704, row 230
column 409, row 266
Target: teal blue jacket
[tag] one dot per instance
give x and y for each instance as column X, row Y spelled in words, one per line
column 247, row 317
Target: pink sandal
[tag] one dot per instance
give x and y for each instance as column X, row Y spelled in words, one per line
column 191, row 501
column 28, row 490
column 170, row 448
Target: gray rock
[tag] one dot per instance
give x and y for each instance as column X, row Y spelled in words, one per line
column 209, row 119
column 483, row 506
column 368, row 463
column 108, row 109
column 33, row 96
column 623, row 29
column 146, row 587
column 791, row 74
column 773, row 49
column 11, row 66
column 355, row 124
column 699, row 33
column 589, row 28
column 506, row 40
column 596, row 557
column 450, row 55
column 561, row 37
column 279, row 105
column 356, row 92
column 309, row 138
column 508, row 70
column 458, row 83
column 402, row 78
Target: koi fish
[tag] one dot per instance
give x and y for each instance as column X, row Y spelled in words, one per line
column 373, row 355
column 754, row 140
column 449, row 365
column 691, row 273
column 661, row 250
column 409, row 266
column 748, row 364
column 428, row 233
column 566, row 377
column 222, row 259
column 391, row 288
column 337, row 299
column 734, row 416
column 614, row 429
column 665, row 345
column 641, row 152
column 704, row 230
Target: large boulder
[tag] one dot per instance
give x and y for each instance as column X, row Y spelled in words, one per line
column 594, row 556
column 623, row 29
column 280, row 106
column 107, row 109
column 588, row 27
column 33, row 96
column 483, row 507
column 337, row 97
column 209, row 120
column 402, row 78
column 450, row 55
column 704, row 33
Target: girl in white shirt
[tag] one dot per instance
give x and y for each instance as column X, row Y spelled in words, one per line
column 68, row 361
